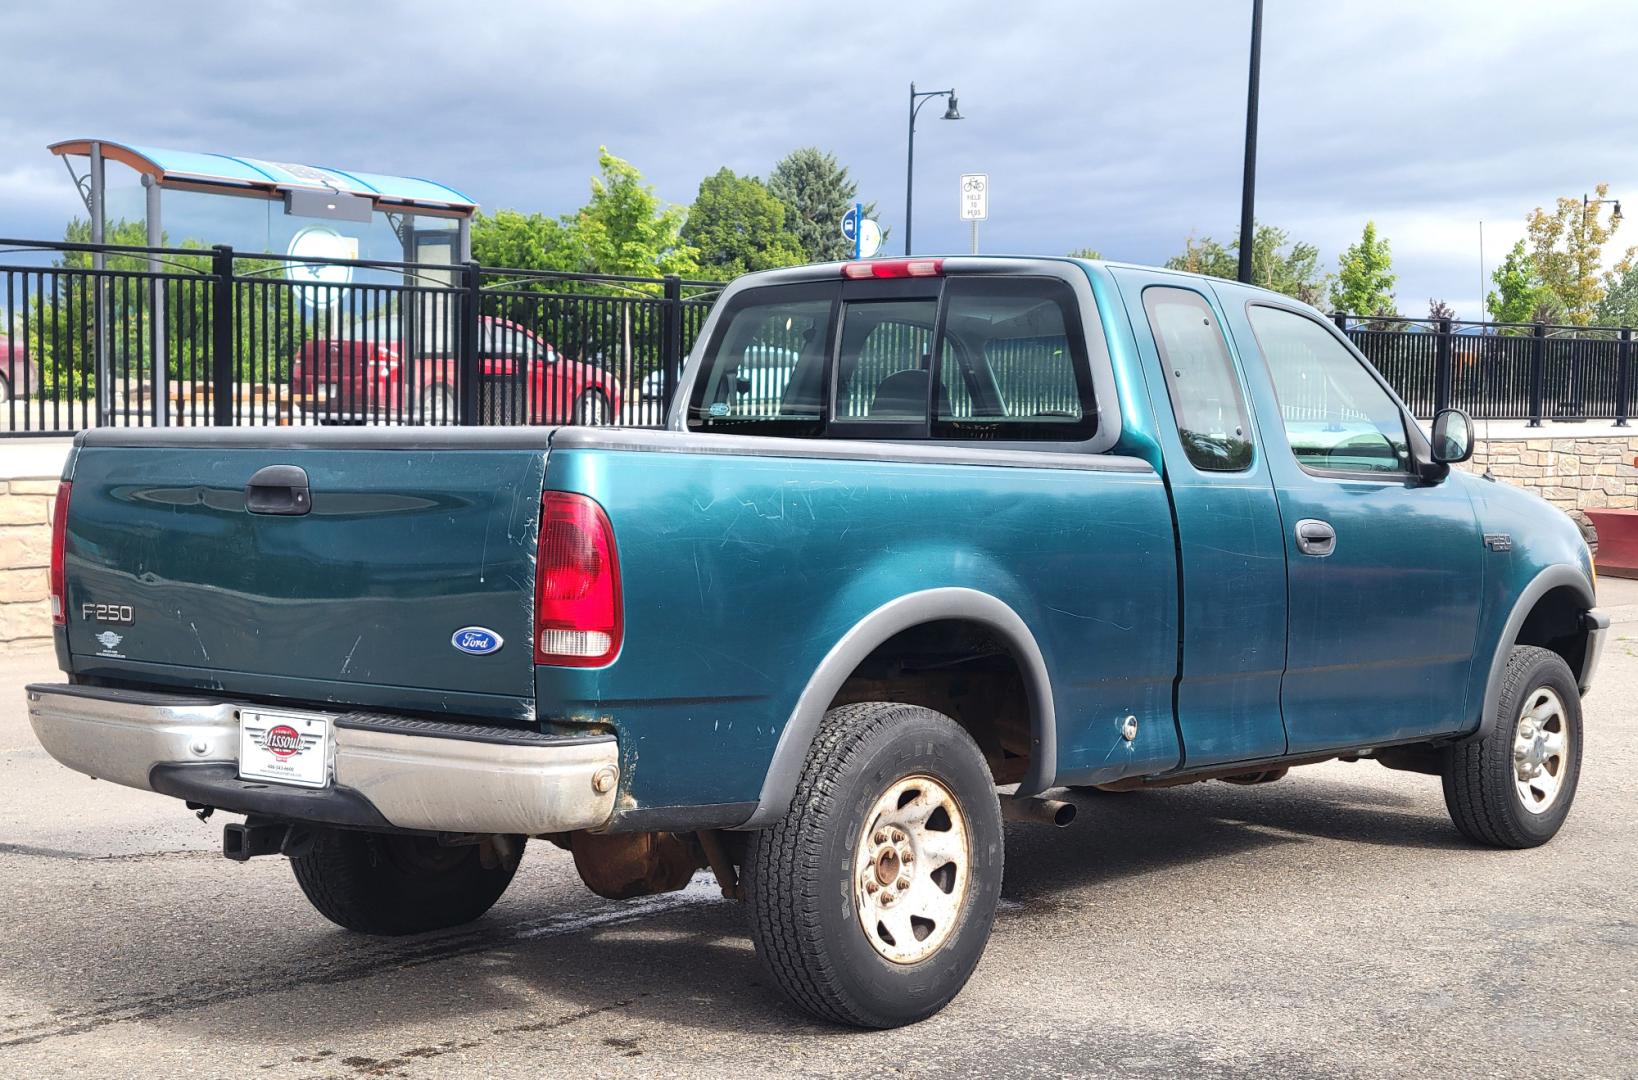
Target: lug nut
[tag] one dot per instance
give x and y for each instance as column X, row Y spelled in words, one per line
column 898, row 837
column 904, row 883
column 603, row 779
column 880, row 838
column 870, row 886
column 907, row 858
column 887, row 898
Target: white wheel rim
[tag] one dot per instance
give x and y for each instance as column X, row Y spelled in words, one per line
column 910, row 870
column 591, row 409
column 1541, row 750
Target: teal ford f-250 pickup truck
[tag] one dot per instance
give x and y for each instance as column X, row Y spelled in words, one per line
column 1029, row 522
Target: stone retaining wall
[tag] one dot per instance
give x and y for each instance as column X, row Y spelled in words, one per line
column 1572, row 474
column 26, row 506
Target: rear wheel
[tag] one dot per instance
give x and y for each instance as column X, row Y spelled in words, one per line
column 871, row 900
column 1513, row 788
column 592, row 409
column 382, row 884
column 5, row 389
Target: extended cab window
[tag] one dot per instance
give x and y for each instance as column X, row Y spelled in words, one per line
column 1205, row 392
column 1337, row 416
column 961, row 358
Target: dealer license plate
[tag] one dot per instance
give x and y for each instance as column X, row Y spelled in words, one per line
column 284, row 747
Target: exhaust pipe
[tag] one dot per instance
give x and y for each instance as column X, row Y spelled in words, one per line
column 1053, row 812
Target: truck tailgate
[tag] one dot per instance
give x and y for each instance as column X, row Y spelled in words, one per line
column 173, row 579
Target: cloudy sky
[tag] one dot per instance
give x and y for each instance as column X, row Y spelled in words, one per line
column 1115, row 124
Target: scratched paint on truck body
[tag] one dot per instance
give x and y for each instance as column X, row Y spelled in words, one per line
column 750, row 569
column 354, row 602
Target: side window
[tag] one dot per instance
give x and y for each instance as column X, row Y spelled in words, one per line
column 1014, row 362
column 1337, row 416
column 885, row 362
column 1206, row 398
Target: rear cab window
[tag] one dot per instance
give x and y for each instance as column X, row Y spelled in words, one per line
column 961, row 358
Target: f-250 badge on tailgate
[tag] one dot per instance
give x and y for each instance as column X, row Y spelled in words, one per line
column 477, row 640
column 111, row 613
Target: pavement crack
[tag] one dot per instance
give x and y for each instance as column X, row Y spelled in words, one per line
column 33, row 852
column 368, row 962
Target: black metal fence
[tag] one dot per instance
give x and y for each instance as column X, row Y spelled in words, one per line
column 100, row 335
column 107, row 335
column 1502, row 371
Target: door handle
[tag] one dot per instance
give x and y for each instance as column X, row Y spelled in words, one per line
column 278, row 489
column 1316, row 537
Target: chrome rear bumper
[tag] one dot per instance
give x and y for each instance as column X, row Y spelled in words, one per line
column 387, row 771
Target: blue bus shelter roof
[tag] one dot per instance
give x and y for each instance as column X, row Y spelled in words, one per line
column 194, row 169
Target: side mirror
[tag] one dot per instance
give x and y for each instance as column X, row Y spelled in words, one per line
column 1452, row 437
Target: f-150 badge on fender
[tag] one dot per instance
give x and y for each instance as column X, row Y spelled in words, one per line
column 476, row 640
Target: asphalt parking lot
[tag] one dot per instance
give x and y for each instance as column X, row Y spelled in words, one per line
column 1332, row 924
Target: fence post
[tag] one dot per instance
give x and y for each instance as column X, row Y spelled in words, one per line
column 1623, row 377
column 671, row 350
column 1341, row 319
column 1441, row 368
column 221, row 336
column 1538, row 372
column 467, row 358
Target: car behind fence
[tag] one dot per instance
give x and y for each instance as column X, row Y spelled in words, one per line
column 100, row 335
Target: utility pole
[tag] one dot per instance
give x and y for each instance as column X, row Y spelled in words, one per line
column 1248, row 185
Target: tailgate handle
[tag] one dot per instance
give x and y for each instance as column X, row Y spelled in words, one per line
column 278, row 489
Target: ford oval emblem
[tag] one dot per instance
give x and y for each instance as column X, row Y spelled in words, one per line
column 476, row 640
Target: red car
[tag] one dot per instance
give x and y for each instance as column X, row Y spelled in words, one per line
column 18, row 378
column 522, row 380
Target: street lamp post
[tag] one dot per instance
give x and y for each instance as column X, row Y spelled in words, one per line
column 917, row 100
column 1248, row 184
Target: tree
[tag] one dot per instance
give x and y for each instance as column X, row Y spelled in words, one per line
column 738, row 226
column 626, row 228
column 1086, row 253
column 1294, row 272
column 1620, row 304
column 1520, row 295
column 1365, row 277
column 817, row 191
column 1567, row 246
column 1438, row 309
column 524, row 242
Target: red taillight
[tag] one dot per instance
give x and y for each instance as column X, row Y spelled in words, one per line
column 893, row 268
column 577, row 584
column 59, row 545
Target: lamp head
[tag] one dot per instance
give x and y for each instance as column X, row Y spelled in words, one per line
column 952, row 113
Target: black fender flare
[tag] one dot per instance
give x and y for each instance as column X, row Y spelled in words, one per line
column 893, row 617
column 1553, row 577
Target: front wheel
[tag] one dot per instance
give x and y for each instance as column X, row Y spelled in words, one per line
column 1513, row 788
column 384, row 884
column 871, row 900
